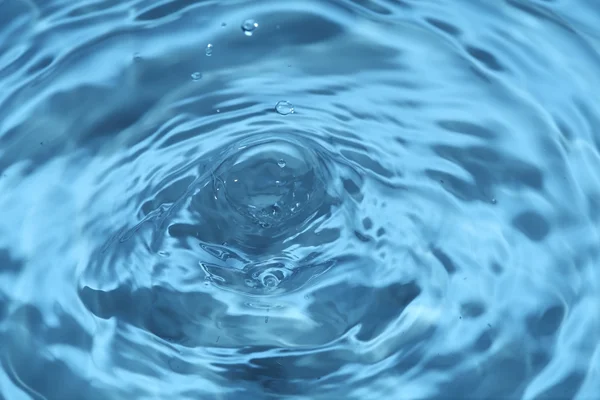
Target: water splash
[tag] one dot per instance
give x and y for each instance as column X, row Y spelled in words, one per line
column 426, row 227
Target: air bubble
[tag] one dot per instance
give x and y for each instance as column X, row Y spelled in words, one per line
column 281, row 163
column 197, row 76
column 284, row 107
column 209, row 49
column 248, row 26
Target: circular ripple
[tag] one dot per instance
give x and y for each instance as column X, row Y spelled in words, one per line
column 258, row 208
column 269, row 188
column 409, row 228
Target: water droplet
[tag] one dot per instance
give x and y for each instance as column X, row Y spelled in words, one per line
column 284, row 107
column 248, row 26
column 223, row 24
column 218, row 110
column 281, row 163
column 209, row 50
column 494, row 201
column 197, row 76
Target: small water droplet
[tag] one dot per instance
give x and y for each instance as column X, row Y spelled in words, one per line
column 209, row 50
column 218, row 110
column 281, row 163
column 494, row 201
column 197, row 76
column 248, row 26
column 223, row 24
column 284, row 107
column 163, row 253
column 266, row 320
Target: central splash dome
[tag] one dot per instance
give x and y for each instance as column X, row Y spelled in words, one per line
column 263, row 193
column 263, row 204
column 269, row 182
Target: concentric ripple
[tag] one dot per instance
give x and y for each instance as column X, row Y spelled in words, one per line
column 299, row 200
column 255, row 212
column 263, row 192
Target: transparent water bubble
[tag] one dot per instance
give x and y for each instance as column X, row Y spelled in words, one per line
column 284, row 107
column 281, row 163
column 248, row 26
column 197, row 76
column 209, row 49
column 223, row 24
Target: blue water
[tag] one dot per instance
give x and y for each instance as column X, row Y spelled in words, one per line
column 344, row 199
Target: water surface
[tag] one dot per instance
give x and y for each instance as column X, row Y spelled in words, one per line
column 302, row 199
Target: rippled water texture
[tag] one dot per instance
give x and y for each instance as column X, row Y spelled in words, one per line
column 345, row 199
